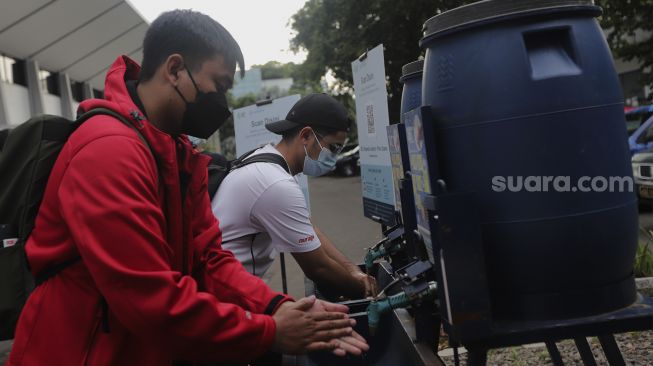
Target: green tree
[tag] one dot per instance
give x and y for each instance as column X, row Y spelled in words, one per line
column 335, row 32
column 303, row 83
column 629, row 28
column 276, row 70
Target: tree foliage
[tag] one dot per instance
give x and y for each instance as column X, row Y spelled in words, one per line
column 629, row 26
column 335, row 32
column 276, row 70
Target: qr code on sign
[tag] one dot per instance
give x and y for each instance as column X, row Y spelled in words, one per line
column 369, row 109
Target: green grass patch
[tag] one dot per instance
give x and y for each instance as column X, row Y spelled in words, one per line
column 644, row 255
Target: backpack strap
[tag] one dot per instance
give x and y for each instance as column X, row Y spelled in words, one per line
column 58, row 268
column 108, row 112
column 262, row 158
column 272, row 158
column 55, row 269
column 243, row 157
column 52, row 271
column 220, row 167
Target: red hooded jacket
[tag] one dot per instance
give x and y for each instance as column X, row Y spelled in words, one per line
column 138, row 243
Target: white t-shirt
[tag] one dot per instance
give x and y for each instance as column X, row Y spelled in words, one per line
column 262, row 208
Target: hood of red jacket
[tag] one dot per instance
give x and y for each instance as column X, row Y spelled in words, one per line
column 117, row 98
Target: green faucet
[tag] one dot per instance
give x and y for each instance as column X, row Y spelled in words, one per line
column 401, row 300
column 389, row 245
column 372, row 255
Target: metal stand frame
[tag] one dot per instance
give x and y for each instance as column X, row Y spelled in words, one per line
column 459, row 242
column 637, row 317
column 608, row 343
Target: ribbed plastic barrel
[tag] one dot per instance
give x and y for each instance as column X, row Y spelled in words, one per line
column 411, row 78
column 528, row 89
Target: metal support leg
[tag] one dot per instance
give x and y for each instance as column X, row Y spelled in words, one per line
column 585, row 351
column 284, row 282
column 611, row 350
column 556, row 358
column 476, row 357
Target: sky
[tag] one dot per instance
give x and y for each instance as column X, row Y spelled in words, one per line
column 261, row 27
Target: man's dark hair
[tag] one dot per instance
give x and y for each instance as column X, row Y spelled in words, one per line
column 293, row 132
column 195, row 36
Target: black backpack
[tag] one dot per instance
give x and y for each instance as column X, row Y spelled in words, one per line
column 220, row 166
column 27, row 155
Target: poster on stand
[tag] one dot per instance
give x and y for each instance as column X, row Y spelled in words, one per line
column 250, row 132
column 372, row 119
column 421, row 150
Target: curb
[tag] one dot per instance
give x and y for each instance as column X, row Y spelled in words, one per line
column 644, row 283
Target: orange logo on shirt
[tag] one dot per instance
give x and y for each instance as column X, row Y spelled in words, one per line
column 306, row 239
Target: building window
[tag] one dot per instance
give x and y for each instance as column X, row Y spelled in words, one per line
column 49, row 82
column 19, row 69
column 77, row 89
column 6, row 74
column 43, row 77
column 12, row 71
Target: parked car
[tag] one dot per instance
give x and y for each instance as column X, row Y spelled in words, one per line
column 642, row 163
column 639, row 124
column 348, row 163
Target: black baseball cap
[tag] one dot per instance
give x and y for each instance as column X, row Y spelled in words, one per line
column 314, row 110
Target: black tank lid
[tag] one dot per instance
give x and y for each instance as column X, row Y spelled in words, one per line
column 488, row 11
column 411, row 69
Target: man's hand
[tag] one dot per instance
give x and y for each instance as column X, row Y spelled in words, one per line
column 354, row 344
column 300, row 330
column 367, row 283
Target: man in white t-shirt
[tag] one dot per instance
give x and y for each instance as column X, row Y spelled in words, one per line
column 262, row 209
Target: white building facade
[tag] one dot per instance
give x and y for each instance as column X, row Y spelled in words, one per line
column 54, row 54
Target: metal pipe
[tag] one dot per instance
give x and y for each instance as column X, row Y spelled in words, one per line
column 400, row 300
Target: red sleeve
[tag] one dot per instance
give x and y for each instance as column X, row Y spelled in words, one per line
column 109, row 198
column 223, row 275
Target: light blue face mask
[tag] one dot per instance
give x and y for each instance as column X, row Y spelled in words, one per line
column 324, row 164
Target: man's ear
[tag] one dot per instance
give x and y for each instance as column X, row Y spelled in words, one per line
column 172, row 66
column 305, row 135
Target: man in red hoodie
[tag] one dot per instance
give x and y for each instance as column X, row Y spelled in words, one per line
column 126, row 217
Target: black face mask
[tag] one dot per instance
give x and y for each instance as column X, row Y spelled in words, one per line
column 206, row 114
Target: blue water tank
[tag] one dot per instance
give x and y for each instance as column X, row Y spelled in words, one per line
column 411, row 78
column 529, row 89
